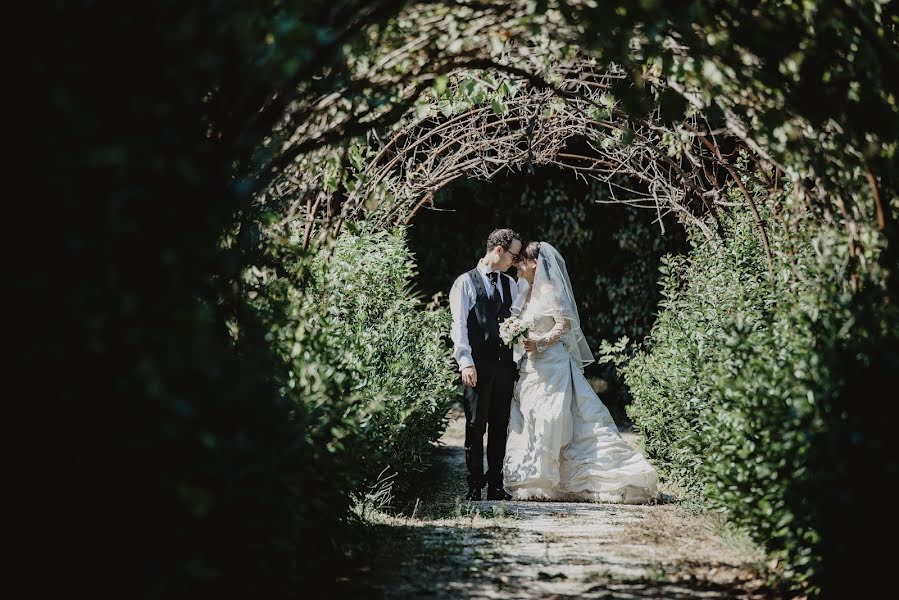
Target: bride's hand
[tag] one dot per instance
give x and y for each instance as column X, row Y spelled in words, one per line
column 530, row 345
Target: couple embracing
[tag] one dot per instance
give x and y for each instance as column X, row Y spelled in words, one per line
column 549, row 436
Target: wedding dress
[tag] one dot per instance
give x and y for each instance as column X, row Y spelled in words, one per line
column 562, row 441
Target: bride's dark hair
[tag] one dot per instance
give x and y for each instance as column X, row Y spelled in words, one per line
column 531, row 251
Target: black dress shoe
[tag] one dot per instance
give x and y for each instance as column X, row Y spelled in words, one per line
column 498, row 494
column 473, row 494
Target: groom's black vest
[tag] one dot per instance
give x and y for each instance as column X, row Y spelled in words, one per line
column 483, row 323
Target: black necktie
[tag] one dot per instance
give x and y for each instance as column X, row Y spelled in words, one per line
column 496, row 298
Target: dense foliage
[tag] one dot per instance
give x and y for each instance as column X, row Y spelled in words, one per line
column 173, row 464
column 745, row 392
column 365, row 370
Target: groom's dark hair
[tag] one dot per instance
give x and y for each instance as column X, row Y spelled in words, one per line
column 501, row 237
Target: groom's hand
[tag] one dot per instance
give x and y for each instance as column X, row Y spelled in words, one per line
column 470, row 376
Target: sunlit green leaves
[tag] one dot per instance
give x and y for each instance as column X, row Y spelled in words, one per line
column 732, row 388
column 440, row 84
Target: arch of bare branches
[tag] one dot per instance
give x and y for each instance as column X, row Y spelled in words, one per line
column 567, row 117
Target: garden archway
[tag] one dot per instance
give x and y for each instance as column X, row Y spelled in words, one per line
column 482, row 123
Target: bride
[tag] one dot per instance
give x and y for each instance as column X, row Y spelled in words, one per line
column 562, row 442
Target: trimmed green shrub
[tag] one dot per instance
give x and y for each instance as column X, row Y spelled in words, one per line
column 741, row 389
column 364, row 367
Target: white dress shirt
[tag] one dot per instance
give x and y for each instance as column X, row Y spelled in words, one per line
column 462, row 297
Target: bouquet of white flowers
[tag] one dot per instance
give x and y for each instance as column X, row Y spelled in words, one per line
column 513, row 329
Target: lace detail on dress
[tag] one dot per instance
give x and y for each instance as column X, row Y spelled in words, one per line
column 552, row 336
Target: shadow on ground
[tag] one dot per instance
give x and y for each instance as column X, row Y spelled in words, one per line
column 459, row 561
column 432, row 544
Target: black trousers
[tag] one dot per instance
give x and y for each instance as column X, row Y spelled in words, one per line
column 487, row 407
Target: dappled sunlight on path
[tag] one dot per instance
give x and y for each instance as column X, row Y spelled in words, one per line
column 456, row 549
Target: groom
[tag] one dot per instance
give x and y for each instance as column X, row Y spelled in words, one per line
column 480, row 300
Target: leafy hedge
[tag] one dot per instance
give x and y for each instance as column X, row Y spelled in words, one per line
column 744, row 388
column 395, row 349
column 365, row 368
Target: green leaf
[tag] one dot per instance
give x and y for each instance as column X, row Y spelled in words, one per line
column 440, row 84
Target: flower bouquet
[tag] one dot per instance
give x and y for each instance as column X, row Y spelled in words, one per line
column 513, row 330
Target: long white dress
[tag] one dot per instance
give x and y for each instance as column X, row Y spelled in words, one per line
column 563, row 443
